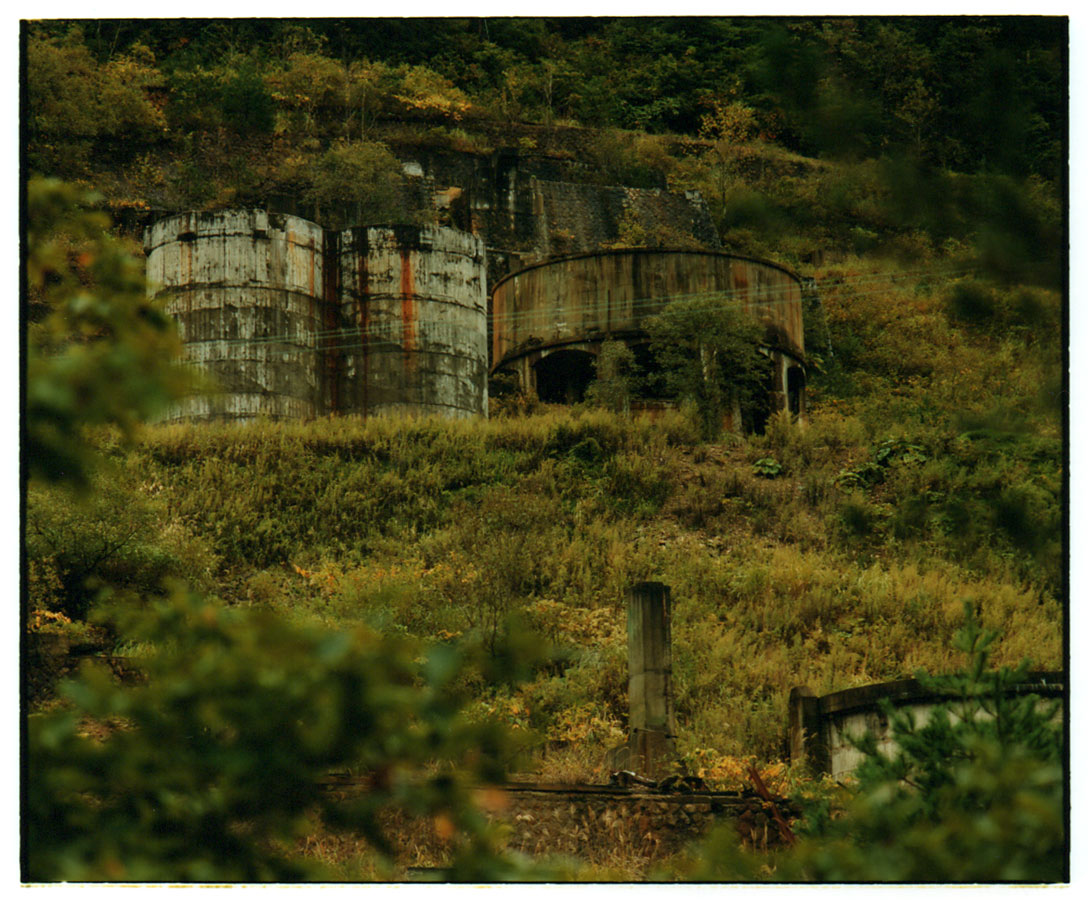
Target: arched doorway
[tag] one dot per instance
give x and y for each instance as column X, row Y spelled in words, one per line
column 563, row 376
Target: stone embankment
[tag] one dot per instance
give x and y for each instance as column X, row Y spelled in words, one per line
column 596, row 824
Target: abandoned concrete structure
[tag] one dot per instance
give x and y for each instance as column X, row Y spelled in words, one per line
column 244, row 288
column 822, row 730
column 294, row 322
column 549, row 320
column 413, row 316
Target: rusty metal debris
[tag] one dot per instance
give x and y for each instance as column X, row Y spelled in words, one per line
column 783, row 827
column 673, row 784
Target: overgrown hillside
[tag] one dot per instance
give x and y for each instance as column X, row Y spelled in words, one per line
column 828, row 554
column 913, row 136
column 910, row 170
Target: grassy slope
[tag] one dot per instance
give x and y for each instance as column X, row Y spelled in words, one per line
column 929, row 474
column 442, row 528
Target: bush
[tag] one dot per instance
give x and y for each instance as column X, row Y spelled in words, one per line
column 98, row 351
column 767, row 467
column 709, row 352
column 358, row 183
column 111, row 538
column 616, row 378
column 255, row 712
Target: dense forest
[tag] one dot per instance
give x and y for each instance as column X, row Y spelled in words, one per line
column 466, row 579
column 972, row 95
column 938, row 126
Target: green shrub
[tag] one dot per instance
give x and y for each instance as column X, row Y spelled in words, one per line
column 109, row 538
column 857, row 518
column 358, row 183
column 709, row 353
column 254, row 712
column 767, row 467
column 616, row 378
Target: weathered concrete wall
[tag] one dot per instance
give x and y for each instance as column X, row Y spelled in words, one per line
column 413, row 302
column 820, row 728
column 527, row 206
column 614, row 292
column 574, row 303
column 576, row 218
column 595, row 824
column 245, row 287
column 293, row 322
column 487, row 194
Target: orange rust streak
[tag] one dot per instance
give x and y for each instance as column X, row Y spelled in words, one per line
column 407, row 301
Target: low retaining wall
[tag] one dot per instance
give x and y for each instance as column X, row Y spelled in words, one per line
column 596, row 823
column 48, row 658
column 821, row 728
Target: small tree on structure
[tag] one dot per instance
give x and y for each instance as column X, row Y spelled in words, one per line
column 617, row 378
column 709, row 354
column 362, row 175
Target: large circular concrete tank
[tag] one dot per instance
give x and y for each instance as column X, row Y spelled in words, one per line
column 564, row 308
column 245, row 287
column 414, row 310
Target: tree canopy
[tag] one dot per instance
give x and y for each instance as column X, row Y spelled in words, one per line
column 969, row 93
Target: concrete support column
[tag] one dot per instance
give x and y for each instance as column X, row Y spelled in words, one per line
column 806, row 736
column 649, row 658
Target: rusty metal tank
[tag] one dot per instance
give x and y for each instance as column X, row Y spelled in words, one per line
column 246, row 288
column 549, row 319
column 413, row 306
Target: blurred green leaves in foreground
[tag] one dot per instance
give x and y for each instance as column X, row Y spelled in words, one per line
column 211, row 768
column 98, row 351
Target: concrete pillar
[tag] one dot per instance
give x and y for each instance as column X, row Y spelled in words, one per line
column 649, row 659
column 806, row 736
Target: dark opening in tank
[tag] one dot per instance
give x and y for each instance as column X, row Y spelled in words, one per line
column 755, row 412
column 795, row 387
column 650, row 383
column 563, row 376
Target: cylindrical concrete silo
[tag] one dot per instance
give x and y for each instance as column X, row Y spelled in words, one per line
column 246, row 288
column 413, row 305
column 549, row 319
